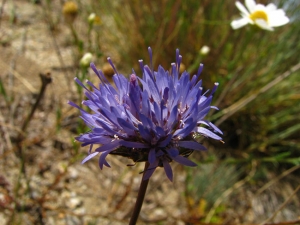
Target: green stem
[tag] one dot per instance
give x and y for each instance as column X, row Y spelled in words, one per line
column 140, row 198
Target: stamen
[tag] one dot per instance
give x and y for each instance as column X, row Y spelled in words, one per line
column 259, row 14
column 181, row 121
column 117, row 98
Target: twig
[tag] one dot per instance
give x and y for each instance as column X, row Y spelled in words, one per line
column 281, row 207
column 46, row 79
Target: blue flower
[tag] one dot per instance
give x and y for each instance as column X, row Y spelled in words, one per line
column 157, row 122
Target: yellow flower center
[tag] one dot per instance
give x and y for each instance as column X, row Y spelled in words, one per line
column 259, row 14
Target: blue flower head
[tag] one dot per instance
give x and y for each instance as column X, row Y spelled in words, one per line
column 154, row 118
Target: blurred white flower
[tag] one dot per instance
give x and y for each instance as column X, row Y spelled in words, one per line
column 86, row 59
column 266, row 17
column 92, row 18
column 204, row 50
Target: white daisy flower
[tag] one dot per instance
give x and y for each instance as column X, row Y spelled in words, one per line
column 266, row 17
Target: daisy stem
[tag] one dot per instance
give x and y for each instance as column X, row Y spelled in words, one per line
column 140, row 198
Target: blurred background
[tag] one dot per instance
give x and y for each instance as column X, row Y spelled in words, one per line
column 253, row 178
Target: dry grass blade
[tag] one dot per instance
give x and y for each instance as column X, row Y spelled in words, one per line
column 271, row 182
column 23, row 80
column 228, row 192
column 244, row 101
column 281, row 206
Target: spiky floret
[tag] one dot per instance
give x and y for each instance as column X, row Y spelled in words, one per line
column 155, row 122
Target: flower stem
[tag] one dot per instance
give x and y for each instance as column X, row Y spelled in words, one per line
column 140, row 198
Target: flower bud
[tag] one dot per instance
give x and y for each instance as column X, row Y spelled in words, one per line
column 70, row 11
column 204, row 50
column 86, row 60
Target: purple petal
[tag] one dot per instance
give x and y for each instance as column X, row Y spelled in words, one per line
column 168, row 170
column 89, row 157
column 126, row 124
column 173, row 152
column 184, row 161
column 165, row 142
column 109, row 115
column 203, row 113
column 158, row 113
column 216, row 129
column 76, row 106
column 191, row 145
column 151, row 156
column 189, row 126
column 134, row 94
column 208, row 133
column 150, row 170
column 145, row 104
column 146, row 121
column 172, row 118
column 109, row 147
column 144, row 132
column 106, row 127
column 166, row 94
column 160, row 131
column 102, row 160
column 131, row 144
column 204, row 102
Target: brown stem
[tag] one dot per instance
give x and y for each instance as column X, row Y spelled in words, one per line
column 140, row 198
column 46, row 79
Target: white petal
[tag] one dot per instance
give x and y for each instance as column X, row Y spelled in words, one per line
column 263, row 24
column 250, row 5
column 271, row 7
column 242, row 8
column 277, row 18
column 260, row 7
column 278, row 21
column 236, row 24
column 277, row 13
